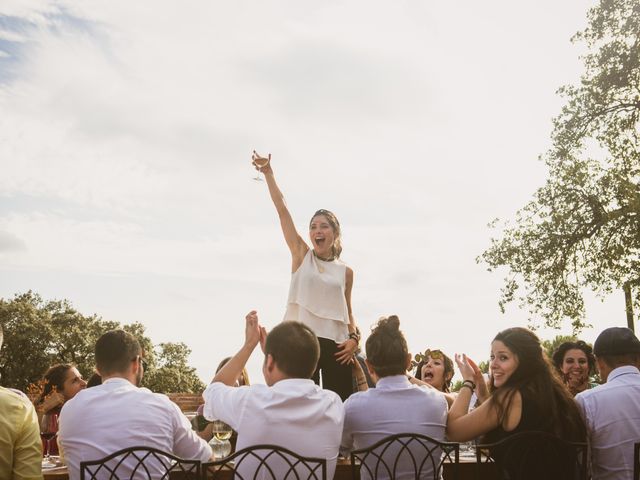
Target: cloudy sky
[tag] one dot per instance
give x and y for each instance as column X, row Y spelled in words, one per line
column 126, row 130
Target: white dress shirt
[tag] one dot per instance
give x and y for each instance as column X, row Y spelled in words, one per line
column 293, row 413
column 115, row 415
column 612, row 415
column 394, row 406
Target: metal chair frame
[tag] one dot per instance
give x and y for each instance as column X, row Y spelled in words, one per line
column 405, row 441
column 537, row 440
column 636, row 461
column 314, row 468
column 190, row 469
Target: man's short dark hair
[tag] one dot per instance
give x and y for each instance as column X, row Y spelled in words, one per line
column 295, row 349
column 115, row 350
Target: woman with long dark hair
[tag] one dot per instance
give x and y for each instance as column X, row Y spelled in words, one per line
column 61, row 383
column 320, row 290
column 526, row 394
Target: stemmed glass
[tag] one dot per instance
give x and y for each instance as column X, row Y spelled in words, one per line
column 260, row 163
column 220, row 442
column 48, row 430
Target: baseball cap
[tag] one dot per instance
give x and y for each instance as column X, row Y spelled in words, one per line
column 616, row 341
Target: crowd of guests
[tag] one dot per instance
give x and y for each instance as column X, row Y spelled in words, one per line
column 525, row 391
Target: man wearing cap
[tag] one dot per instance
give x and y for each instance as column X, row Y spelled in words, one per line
column 612, row 411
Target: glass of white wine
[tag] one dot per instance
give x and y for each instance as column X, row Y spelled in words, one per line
column 220, row 442
column 260, row 163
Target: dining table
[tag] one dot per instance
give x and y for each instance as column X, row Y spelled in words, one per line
column 468, row 469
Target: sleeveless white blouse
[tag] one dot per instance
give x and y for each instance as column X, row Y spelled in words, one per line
column 316, row 297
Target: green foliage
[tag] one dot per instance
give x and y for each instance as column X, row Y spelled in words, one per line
column 456, row 386
column 38, row 334
column 484, row 366
column 582, row 228
column 173, row 373
column 550, row 346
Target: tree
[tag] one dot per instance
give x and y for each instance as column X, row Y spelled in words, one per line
column 38, row 334
column 550, row 346
column 582, row 228
column 173, row 374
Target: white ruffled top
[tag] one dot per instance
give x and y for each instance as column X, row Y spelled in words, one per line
column 316, row 297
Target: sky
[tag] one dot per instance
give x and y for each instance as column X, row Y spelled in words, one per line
column 126, row 130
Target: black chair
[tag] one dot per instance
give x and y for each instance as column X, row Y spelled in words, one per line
column 535, row 455
column 404, row 455
column 139, row 463
column 636, row 461
column 266, row 462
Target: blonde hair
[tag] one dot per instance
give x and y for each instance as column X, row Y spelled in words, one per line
column 336, row 248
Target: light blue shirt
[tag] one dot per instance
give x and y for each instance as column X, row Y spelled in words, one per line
column 394, row 406
column 612, row 415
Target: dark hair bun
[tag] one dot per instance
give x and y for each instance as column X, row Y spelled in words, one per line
column 390, row 324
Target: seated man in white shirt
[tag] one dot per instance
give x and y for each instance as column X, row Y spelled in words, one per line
column 290, row 410
column 118, row 414
column 394, row 406
column 612, row 411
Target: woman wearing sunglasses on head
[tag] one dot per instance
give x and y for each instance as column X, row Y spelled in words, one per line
column 320, row 290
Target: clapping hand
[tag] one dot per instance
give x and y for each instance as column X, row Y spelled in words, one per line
column 465, row 365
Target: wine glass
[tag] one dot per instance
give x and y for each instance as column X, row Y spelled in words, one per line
column 259, row 162
column 48, row 430
column 220, row 442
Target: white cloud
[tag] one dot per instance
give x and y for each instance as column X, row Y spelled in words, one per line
column 126, row 131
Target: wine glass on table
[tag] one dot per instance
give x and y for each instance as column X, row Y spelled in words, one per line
column 48, row 431
column 259, row 162
column 220, row 442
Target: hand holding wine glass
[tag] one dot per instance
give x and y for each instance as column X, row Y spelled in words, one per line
column 220, row 442
column 262, row 164
column 48, row 430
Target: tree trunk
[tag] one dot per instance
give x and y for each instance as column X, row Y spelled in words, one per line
column 628, row 305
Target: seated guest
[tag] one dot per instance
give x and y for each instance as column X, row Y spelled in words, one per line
column 612, row 410
column 575, row 362
column 436, row 369
column 290, row 410
column 526, row 394
column 243, row 378
column 61, row 383
column 395, row 405
column 118, row 414
column 20, row 447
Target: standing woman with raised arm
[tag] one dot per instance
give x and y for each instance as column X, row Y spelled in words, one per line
column 320, row 291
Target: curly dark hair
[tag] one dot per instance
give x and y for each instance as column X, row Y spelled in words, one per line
column 448, row 369
column 563, row 348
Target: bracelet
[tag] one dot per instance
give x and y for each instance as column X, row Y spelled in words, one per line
column 470, row 384
column 355, row 336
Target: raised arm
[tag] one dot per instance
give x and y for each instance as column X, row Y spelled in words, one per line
column 296, row 244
